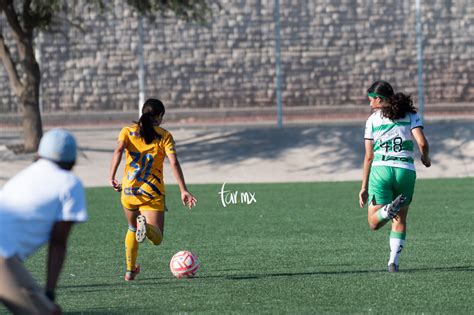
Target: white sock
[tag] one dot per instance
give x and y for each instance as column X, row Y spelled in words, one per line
column 396, row 246
column 382, row 213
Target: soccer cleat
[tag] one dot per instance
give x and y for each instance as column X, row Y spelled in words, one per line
column 131, row 274
column 394, row 207
column 392, row 268
column 140, row 234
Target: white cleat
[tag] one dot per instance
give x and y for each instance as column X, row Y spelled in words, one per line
column 140, row 235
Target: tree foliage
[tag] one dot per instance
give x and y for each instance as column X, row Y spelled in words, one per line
column 25, row 17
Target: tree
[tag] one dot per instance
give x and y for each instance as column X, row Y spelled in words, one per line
column 26, row 17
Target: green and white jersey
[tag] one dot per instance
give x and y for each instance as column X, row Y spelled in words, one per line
column 393, row 140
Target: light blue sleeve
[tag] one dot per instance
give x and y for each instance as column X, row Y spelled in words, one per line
column 415, row 121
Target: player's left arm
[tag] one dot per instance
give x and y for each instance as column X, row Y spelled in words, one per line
column 56, row 254
column 423, row 145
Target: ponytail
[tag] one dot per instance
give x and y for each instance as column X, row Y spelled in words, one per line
column 152, row 108
column 398, row 106
column 147, row 131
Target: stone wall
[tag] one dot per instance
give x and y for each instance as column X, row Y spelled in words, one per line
column 332, row 50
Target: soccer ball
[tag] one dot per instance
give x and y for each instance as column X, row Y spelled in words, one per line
column 184, row 264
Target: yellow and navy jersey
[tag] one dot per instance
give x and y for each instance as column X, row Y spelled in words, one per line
column 143, row 175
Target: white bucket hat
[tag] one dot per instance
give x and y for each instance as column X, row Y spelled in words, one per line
column 58, row 145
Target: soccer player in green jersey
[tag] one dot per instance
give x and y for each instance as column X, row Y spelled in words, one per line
column 389, row 171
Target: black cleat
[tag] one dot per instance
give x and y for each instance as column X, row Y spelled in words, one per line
column 392, row 268
column 394, row 208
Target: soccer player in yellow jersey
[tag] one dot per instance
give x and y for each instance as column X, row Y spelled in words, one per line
column 143, row 193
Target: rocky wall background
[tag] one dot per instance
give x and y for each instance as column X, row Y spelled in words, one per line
column 331, row 51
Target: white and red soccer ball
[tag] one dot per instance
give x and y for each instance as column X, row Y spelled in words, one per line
column 184, row 264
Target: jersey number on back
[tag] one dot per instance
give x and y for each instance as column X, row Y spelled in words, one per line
column 140, row 164
column 395, row 143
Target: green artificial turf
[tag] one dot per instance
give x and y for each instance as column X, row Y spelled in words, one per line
column 301, row 248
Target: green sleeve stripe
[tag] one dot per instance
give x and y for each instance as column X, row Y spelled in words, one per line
column 387, row 127
column 399, row 235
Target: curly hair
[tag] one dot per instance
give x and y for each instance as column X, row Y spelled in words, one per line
column 396, row 105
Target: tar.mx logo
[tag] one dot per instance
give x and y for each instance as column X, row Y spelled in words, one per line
column 235, row 197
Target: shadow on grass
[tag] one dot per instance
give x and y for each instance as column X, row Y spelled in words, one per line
column 117, row 310
column 147, row 281
column 344, row 272
column 440, row 269
column 343, row 143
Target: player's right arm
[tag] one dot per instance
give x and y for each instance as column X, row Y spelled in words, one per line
column 369, row 157
column 117, row 157
column 56, row 254
column 423, row 145
column 186, row 197
column 169, row 146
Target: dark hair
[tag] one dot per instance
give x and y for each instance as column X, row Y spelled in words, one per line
column 151, row 108
column 64, row 165
column 397, row 105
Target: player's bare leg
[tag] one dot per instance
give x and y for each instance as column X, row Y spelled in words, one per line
column 379, row 215
column 155, row 222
